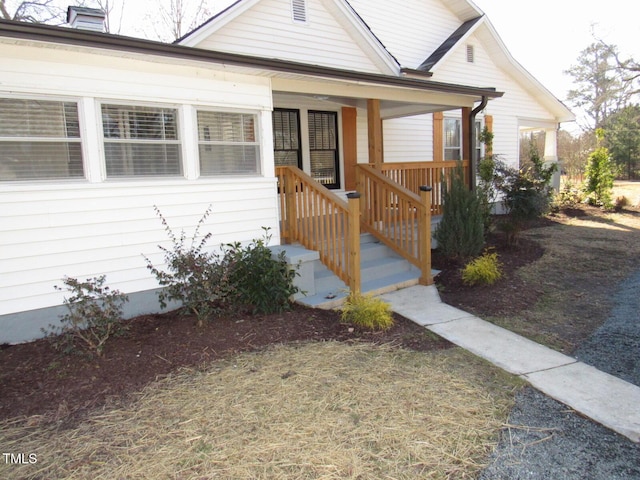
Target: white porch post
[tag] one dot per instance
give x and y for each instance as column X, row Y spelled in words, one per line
column 551, row 154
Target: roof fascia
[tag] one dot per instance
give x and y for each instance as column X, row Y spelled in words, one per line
column 216, row 22
column 344, row 11
column 103, row 41
column 555, row 106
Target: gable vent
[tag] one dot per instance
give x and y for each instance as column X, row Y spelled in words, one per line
column 299, row 10
column 470, row 57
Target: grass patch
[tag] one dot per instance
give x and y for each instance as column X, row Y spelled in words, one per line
column 318, row 410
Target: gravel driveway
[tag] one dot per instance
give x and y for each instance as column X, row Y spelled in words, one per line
column 547, row 440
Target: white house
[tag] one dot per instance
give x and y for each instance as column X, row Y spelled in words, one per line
column 96, row 129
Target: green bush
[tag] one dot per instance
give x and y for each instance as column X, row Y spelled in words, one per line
column 569, row 196
column 194, row 277
column 367, row 312
column 599, row 177
column 211, row 284
column 484, row 270
column 262, row 282
column 527, row 193
column 95, row 315
column 460, row 233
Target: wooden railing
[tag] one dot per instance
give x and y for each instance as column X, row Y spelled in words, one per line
column 412, row 175
column 397, row 217
column 319, row 220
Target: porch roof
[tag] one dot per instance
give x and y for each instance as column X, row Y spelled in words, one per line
column 285, row 71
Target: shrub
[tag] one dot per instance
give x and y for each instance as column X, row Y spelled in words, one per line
column 95, row 315
column 484, row 270
column 367, row 312
column 194, row 277
column 460, row 233
column 527, row 193
column 599, row 176
column 262, row 282
column 569, row 196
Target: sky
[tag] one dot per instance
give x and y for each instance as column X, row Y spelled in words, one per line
column 547, row 36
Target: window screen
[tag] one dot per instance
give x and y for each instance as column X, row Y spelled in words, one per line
column 141, row 141
column 228, row 143
column 39, row 140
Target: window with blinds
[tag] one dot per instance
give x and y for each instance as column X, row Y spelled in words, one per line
column 141, row 141
column 323, row 146
column 452, row 139
column 39, row 140
column 286, row 138
column 228, row 143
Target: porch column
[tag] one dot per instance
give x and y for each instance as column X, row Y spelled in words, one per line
column 438, row 137
column 551, row 154
column 375, row 131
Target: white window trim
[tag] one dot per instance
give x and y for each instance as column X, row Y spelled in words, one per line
column 259, row 132
column 134, row 103
column 83, row 141
column 444, row 137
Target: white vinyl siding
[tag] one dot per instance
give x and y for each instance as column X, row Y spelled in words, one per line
column 103, row 226
column 228, row 143
column 141, row 141
column 39, row 140
column 267, row 30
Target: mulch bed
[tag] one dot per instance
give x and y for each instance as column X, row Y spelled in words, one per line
column 39, row 382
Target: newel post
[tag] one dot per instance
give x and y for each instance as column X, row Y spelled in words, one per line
column 425, row 236
column 290, row 216
column 353, row 242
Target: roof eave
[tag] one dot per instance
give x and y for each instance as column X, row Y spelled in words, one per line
column 65, row 36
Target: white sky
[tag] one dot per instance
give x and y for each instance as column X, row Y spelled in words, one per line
column 547, row 36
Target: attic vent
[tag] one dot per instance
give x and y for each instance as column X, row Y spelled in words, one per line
column 470, row 57
column 299, row 10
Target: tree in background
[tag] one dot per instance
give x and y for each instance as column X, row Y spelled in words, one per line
column 622, row 135
column 36, row 11
column 600, row 90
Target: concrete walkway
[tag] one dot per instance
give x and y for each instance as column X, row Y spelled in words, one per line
column 602, row 397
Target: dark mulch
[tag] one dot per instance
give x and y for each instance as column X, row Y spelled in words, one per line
column 36, row 380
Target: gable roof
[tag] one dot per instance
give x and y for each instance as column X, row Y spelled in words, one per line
column 482, row 27
column 343, row 12
column 448, row 44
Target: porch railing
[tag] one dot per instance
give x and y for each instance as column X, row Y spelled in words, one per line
column 412, row 175
column 397, row 217
column 319, row 220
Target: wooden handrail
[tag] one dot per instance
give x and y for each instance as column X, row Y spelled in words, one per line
column 319, row 220
column 412, row 175
column 397, row 217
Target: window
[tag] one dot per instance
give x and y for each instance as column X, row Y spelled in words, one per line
column 286, row 138
column 39, row 140
column 141, row 141
column 323, row 146
column 228, row 143
column 452, row 139
column 479, row 144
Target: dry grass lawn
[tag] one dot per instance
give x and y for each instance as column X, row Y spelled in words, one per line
column 317, row 410
column 585, row 260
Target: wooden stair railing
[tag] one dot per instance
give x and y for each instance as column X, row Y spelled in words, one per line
column 397, row 217
column 319, row 220
column 412, row 175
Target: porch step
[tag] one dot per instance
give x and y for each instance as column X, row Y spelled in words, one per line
column 382, row 270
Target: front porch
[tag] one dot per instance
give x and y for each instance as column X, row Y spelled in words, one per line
column 378, row 240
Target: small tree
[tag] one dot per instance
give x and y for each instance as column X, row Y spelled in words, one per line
column 460, row 233
column 599, row 173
